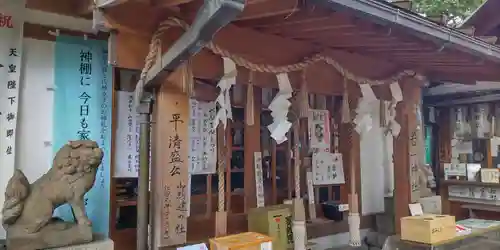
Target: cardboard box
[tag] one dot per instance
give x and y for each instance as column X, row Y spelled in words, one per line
column 242, row 241
column 428, row 228
column 275, row 221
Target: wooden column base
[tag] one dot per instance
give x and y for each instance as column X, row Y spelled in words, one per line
column 220, row 224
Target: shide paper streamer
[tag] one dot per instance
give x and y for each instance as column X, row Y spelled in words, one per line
column 397, row 96
column 363, row 119
column 279, row 107
column 224, row 99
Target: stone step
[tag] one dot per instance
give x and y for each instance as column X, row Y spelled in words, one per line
column 98, row 244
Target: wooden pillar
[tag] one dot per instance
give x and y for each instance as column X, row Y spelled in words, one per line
column 405, row 116
column 169, row 163
column 350, row 149
column 444, row 144
column 251, row 145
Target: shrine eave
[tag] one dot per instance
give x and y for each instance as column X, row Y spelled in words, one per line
column 485, row 19
column 384, row 12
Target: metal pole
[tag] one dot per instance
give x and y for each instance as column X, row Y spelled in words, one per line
column 143, row 184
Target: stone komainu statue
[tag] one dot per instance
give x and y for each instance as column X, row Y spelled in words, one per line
column 27, row 210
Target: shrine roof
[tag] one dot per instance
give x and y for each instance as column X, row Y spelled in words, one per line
column 485, row 19
column 372, row 29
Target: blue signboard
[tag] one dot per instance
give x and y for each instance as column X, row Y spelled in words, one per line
column 82, row 103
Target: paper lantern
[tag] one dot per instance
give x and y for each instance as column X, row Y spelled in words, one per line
column 460, row 122
column 481, row 121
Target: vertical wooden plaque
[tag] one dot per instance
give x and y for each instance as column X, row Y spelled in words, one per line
column 171, row 164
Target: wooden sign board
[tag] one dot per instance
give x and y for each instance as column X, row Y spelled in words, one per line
column 171, row 168
column 489, row 175
column 202, row 138
column 414, row 144
column 259, row 180
column 327, row 169
column 319, row 130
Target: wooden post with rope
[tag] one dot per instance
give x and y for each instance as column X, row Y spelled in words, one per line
column 354, row 217
column 221, row 214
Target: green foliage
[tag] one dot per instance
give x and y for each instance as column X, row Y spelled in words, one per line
column 456, row 11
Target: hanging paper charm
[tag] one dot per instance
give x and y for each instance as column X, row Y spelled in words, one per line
column 224, row 99
column 279, row 109
column 397, row 96
column 363, row 119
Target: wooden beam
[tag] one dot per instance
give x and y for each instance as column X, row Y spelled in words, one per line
column 85, row 7
column 63, row 7
column 41, row 32
column 254, row 9
column 169, row 3
column 302, row 16
column 258, row 47
column 118, row 17
column 214, row 15
column 266, row 8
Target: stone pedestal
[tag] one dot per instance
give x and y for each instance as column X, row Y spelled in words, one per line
column 99, row 243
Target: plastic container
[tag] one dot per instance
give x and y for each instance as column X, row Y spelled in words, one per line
column 331, row 211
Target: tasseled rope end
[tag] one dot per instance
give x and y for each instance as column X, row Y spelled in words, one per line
column 346, row 111
column 354, row 233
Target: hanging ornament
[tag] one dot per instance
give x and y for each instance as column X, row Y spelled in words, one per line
column 481, row 113
column 397, row 96
column 460, row 125
column 346, row 111
column 279, row 109
column 224, row 99
column 363, row 119
column 250, row 106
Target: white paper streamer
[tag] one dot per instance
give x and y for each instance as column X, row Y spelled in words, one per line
column 397, row 96
column 224, row 99
column 279, row 109
column 363, row 119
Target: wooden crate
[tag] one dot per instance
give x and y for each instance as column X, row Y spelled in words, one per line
column 242, row 241
column 428, row 228
column 274, row 221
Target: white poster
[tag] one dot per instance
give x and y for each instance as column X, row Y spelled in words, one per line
column 11, row 33
column 375, row 163
column 126, row 137
column 319, row 130
column 327, row 168
column 202, row 138
column 475, row 193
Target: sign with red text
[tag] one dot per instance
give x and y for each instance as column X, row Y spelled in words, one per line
column 11, row 33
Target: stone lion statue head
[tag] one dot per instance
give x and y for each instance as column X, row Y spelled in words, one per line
column 78, row 156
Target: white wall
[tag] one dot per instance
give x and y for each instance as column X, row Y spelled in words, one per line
column 372, row 166
column 33, row 157
column 36, row 109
